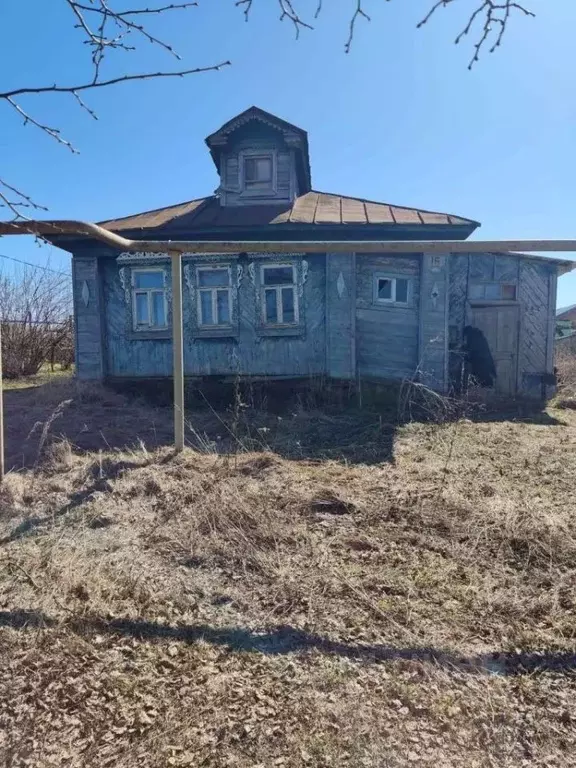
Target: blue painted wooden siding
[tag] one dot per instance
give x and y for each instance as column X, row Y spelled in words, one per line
column 433, row 335
column 341, row 315
column 250, row 353
column 535, row 283
column 88, row 314
column 386, row 336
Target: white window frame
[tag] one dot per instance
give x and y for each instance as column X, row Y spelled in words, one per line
column 213, row 290
column 148, row 291
column 255, row 154
column 392, row 300
column 278, row 288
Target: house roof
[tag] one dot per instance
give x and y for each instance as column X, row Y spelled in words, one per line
column 310, row 209
column 565, row 310
column 295, row 137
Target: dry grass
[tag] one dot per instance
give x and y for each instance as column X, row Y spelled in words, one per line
column 265, row 609
column 566, row 368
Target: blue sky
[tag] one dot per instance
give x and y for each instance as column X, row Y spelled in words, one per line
column 399, row 119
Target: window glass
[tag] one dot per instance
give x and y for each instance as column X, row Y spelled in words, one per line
column 206, row 307
column 213, row 277
column 476, row 291
column 278, row 275
column 492, row 291
column 258, row 169
column 402, row 290
column 158, row 308
column 384, row 288
column 509, row 292
column 150, row 279
column 223, row 308
column 271, row 309
column 288, row 313
column 141, row 309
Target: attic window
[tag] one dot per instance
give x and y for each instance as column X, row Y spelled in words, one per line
column 258, row 173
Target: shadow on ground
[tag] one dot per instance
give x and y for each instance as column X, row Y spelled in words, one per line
column 313, row 423
column 286, row 640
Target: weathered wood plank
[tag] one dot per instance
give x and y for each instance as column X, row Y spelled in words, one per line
column 353, row 211
column 405, row 215
column 328, row 210
column 387, row 336
column 304, row 209
column 379, row 214
column 533, row 294
column 341, row 315
column 88, row 317
column 481, row 266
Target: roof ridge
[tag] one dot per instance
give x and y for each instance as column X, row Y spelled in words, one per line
column 157, row 210
column 394, row 205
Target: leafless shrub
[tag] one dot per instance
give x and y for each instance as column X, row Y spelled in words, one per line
column 566, row 373
column 35, row 317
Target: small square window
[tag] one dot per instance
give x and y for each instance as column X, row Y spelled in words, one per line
column 476, row 291
column 258, row 173
column 509, row 292
column 492, row 291
column 391, row 290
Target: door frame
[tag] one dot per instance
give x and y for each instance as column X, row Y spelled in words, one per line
column 483, row 304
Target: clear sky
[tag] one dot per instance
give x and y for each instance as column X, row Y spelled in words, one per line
column 400, row 119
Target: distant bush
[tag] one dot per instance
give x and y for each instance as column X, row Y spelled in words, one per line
column 35, row 321
column 566, row 373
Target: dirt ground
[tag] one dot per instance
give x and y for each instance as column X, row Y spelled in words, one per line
column 306, row 589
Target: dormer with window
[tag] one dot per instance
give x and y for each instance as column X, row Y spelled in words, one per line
column 260, row 159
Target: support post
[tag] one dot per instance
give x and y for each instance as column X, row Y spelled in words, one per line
column 177, row 349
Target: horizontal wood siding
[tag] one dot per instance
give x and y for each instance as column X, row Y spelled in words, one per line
column 88, row 313
column 250, row 353
column 386, row 337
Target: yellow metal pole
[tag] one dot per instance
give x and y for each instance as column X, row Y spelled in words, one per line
column 178, row 349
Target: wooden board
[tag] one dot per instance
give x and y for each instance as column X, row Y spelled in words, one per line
column 500, row 326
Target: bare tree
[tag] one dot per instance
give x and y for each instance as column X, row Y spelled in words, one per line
column 106, row 28
column 35, row 325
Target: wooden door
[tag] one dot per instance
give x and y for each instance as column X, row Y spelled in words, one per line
column 500, row 324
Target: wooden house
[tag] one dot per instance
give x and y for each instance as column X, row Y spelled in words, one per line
column 341, row 315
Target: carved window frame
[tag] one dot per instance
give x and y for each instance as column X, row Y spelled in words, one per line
column 300, row 266
column 192, row 266
column 129, row 264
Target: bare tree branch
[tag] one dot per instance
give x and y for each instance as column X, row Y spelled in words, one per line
column 287, row 11
column 52, row 132
column 106, row 28
column 359, row 12
column 496, row 15
column 73, row 89
column 15, row 200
